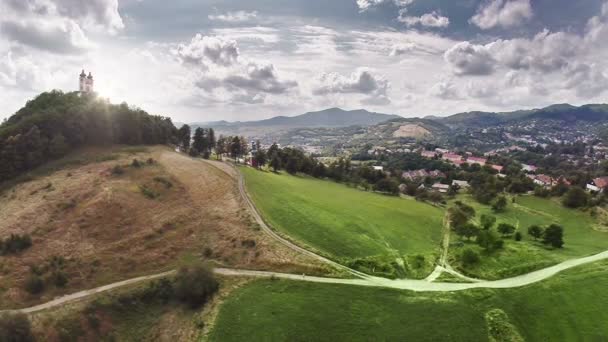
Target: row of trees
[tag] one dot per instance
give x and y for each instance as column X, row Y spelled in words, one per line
column 341, row 170
column 54, row 122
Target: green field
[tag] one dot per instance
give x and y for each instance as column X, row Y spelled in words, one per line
column 582, row 237
column 372, row 232
column 568, row 307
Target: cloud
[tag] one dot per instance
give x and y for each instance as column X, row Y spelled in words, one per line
column 446, row 90
column 432, row 19
column 589, row 80
column 365, row 5
column 468, row 59
column 361, row 81
column 64, row 37
column 402, row 49
column 503, row 13
column 234, row 17
column 202, row 50
column 223, row 75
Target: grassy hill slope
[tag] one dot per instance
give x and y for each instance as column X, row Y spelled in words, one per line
column 372, row 232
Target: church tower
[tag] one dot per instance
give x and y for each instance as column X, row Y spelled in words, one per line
column 83, row 82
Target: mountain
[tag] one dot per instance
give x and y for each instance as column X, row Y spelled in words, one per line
column 328, row 118
column 560, row 112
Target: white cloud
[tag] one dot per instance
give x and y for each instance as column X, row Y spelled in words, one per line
column 60, row 36
column 361, row 81
column 468, row 59
column 446, row 90
column 202, row 50
column 234, row 17
column 503, row 13
column 432, row 19
column 365, row 5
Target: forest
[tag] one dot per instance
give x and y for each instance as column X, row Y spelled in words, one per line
column 54, row 123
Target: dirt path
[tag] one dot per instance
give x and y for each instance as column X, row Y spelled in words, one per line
column 401, row 284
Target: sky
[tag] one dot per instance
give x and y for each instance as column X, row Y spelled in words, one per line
column 241, row 60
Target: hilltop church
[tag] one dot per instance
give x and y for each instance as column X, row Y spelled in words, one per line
column 86, row 83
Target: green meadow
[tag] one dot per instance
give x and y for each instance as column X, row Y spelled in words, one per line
column 582, row 236
column 570, row 306
column 374, row 233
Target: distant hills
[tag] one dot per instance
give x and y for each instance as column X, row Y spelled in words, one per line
column 328, row 118
column 561, row 112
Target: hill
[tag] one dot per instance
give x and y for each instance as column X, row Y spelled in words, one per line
column 96, row 217
column 55, row 123
column 560, row 112
column 333, row 117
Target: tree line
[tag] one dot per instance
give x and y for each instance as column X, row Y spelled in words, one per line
column 54, row 123
column 204, row 143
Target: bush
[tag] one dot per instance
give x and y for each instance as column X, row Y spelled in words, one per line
column 194, row 285
column 506, row 229
column 34, row 284
column 469, row 257
column 575, row 198
column 148, row 192
column 15, row 244
column 554, row 236
column 136, row 163
column 15, row 328
column 518, row 236
column 59, row 278
column 164, row 181
column 118, row 170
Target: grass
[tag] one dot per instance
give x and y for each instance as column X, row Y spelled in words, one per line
column 580, row 238
column 568, row 307
column 369, row 231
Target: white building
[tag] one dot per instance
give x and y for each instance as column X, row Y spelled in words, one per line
column 86, row 84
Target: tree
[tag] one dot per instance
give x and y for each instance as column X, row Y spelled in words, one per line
column 500, row 204
column 387, row 185
column 260, row 158
column 15, row 328
column 487, row 221
column 275, row 163
column 34, row 284
column 467, row 230
column 198, row 142
column 505, row 229
column 518, row 236
column 183, row 137
column 235, row 147
column 488, row 240
column 220, row 147
column 469, row 257
column 575, row 198
column 460, row 214
column 194, row 285
column 535, row 231
column 554, row 236
column 292, row 166
column 57, row 146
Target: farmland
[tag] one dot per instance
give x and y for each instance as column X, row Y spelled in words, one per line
column 386, row 235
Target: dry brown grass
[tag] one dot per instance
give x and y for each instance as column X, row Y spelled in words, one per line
column 107, row 230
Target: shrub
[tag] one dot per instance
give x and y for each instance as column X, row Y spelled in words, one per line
column 194, row 285
column 535, row 231
column 118, row 170
column 34, row 284
column 15, row 328
column 161, row 289
column 15, row 244
column 150, row 161
column 248, row 243
column 59, row 278
column 554, row 236
column 469, row 257
column 518, row 236
column 575, row 198
column 148, row 192
column 506, row 229
column 136, row 163
column 164, row 181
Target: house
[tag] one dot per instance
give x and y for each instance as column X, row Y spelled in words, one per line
column 497, row 168
column 598, row 184
column 418, row 174
column 442, row 188
column 378, row 168
column 452, row 157
column 461, row 184
column 529, row 168
column 428, row 154
column 476, row 160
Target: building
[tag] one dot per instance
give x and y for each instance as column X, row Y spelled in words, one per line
column 420, row 174
column 378, row 168
column 529, row 168
column 476, row 160
column 428, row 154
column 86, row 83
column 461, row 184
column 598, row 184
column 442, row 188
column 497, row 168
